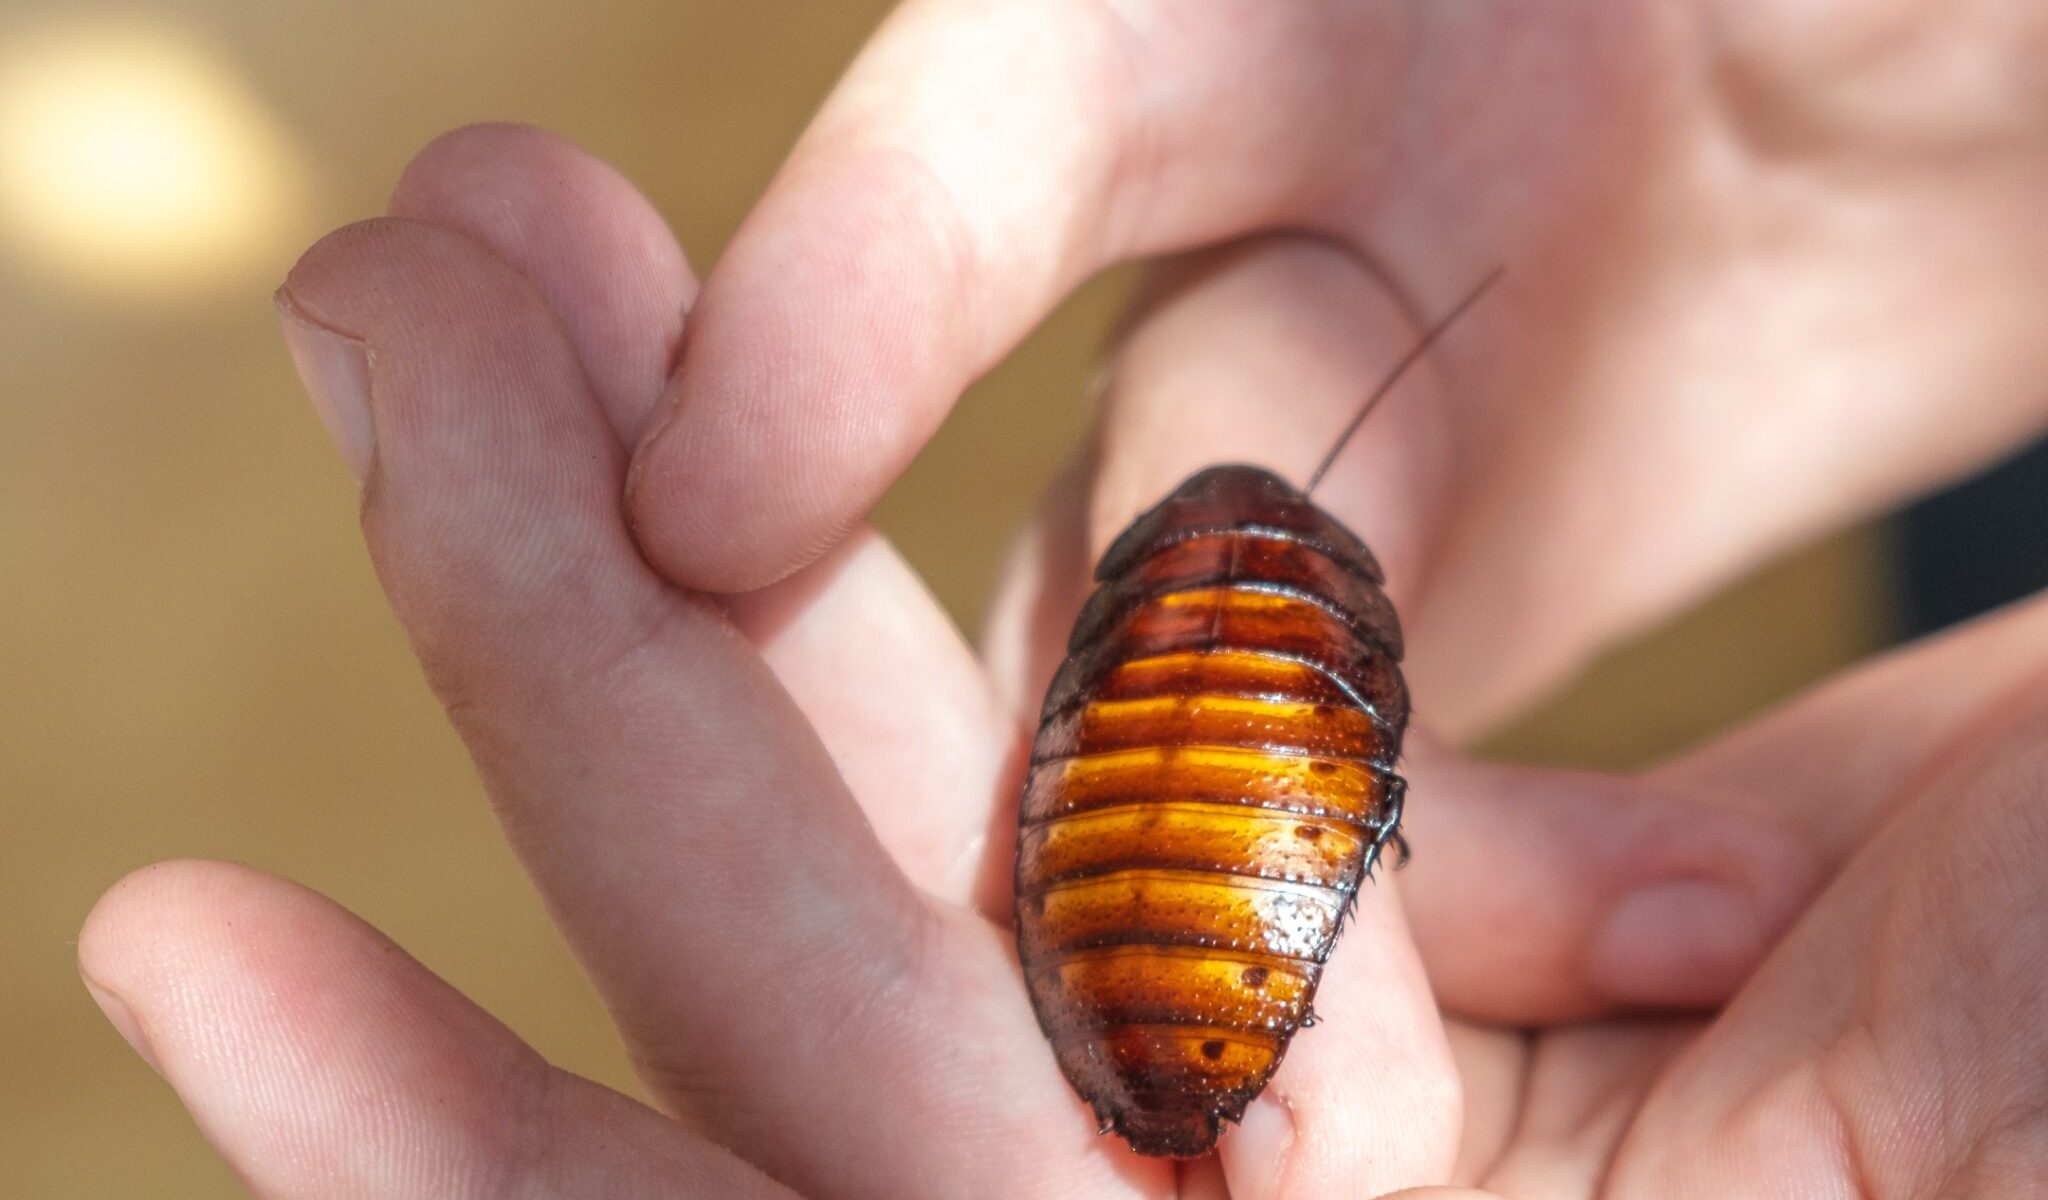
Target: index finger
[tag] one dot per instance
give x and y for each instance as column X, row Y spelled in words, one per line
column 978, row 161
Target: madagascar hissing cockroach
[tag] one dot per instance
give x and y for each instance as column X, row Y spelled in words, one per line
column 1213, row 778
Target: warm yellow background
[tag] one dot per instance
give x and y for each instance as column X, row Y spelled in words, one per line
column 194, row 655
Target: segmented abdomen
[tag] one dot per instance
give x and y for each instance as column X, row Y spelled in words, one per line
column 1212, row 779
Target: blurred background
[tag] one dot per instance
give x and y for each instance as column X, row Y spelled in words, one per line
column 195, row 657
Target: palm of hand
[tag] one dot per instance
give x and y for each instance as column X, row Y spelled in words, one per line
column 1713, row 341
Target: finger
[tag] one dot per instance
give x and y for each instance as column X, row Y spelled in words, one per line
column 1892, row 1044
column 690, row 833
column 1044, row 579
column 595, row 249
column 1493, row 1063
column 768, row 966
column 1839, row 759
column 603, row 260
column 1540, row 895
column 587, row 241
column 904, row 708
column 1573, row 1101
column 976, row 163
column 1368, row 1099
column 322, row 1061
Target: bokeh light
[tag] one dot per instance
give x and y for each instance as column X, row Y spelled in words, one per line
column 132, row 158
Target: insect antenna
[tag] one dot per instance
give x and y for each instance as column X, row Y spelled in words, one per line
column 1401, row 368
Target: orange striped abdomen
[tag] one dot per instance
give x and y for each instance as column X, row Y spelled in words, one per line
column 1212, row 780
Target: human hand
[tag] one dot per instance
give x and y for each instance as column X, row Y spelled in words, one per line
column 789, row 925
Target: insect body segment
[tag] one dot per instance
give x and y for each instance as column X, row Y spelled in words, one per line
column 1212, row 780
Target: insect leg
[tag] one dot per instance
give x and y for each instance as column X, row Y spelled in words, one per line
column 1388, row 826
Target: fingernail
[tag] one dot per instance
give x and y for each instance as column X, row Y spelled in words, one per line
column 1255, row 1154
column 122, row 1018
column 1681, row 943
column 335, row 369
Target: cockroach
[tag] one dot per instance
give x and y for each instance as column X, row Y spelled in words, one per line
column 1212, row 779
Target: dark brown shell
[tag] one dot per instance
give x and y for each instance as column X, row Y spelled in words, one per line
column 1212, row 780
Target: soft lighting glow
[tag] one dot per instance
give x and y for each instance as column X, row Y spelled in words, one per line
column 132, row 158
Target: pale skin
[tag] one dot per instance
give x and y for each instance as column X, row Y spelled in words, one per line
column 1770, row 269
